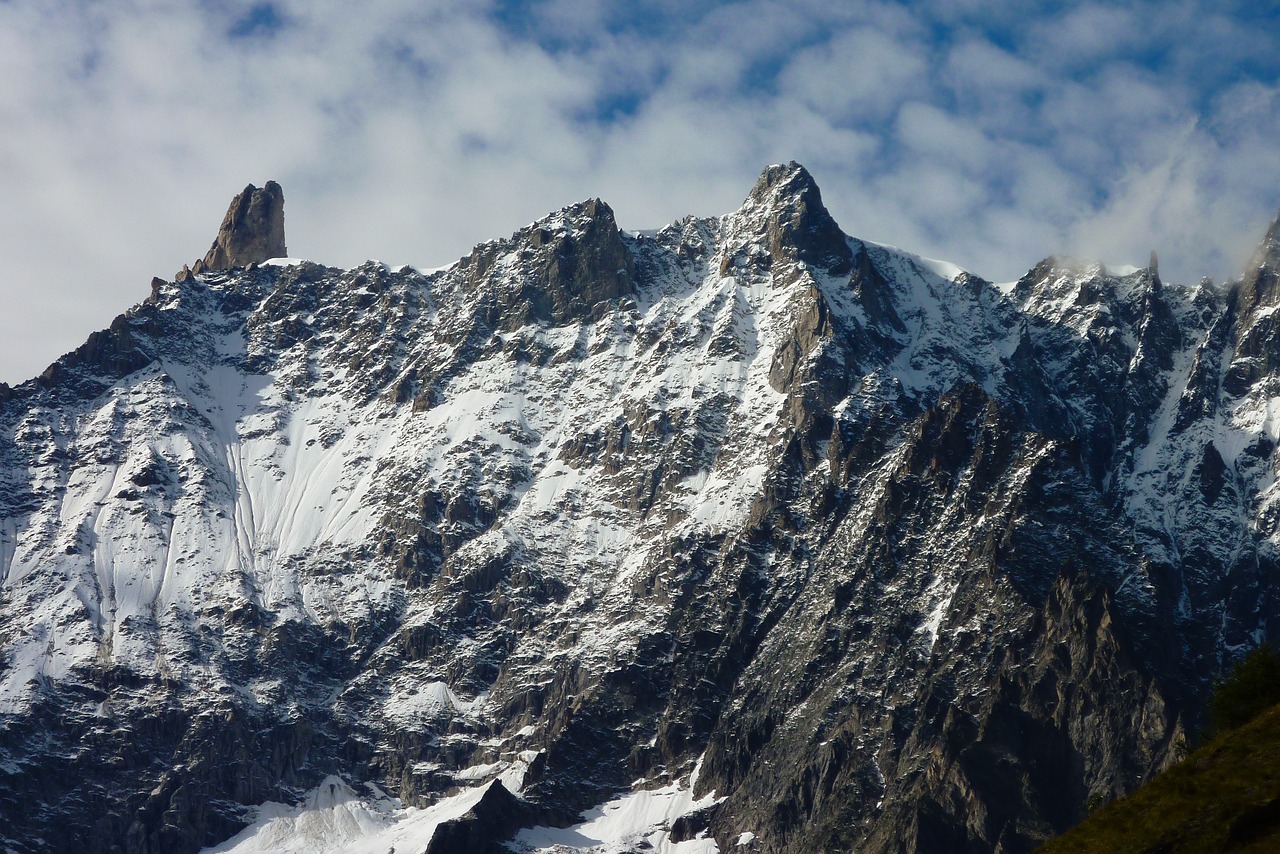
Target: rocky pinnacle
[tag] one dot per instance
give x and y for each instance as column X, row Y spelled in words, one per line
column 251, row 232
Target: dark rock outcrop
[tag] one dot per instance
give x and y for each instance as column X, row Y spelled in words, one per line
column 568, row 266
column 485, row 826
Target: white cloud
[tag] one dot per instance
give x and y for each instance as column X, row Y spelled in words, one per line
column 1088, row 33
column 1200, row 206
column 978, row 68
column 858, row 75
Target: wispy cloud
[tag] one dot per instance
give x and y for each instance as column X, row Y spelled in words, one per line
column 988, row 133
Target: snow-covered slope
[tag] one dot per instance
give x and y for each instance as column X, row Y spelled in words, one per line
column 879, row 538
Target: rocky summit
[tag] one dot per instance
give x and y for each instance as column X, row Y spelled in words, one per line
column 737, row 535
column 251, row 232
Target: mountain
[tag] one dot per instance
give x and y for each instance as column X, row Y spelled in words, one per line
column 764, row 537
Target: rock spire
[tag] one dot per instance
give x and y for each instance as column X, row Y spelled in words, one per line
column 251, row 232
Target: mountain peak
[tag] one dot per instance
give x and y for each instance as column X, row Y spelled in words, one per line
column 252, row 230
column 790, row 178
column 796, row 220
column 588, row 213
column 1260, row 285
column 1268, row 252
column 573, row 259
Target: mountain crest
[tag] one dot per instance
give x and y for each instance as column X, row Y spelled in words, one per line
column 565, row 265
column 790, row 178
column 797, row 224
column 1268, row 252
column 1260, row 286
column 252, row 230
column 589, row 215
column 864, row 544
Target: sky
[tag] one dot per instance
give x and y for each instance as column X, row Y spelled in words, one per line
column 990, row 134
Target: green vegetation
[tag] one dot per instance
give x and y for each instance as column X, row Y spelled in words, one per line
column 1252, row 688
column 1223, row 797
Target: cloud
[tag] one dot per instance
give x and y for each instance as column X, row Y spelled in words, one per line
column 990, row 134
column 1087, row 35
column 859, row 75
column 1202, row 204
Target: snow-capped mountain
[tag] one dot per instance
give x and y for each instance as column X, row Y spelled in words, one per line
column 897, row 558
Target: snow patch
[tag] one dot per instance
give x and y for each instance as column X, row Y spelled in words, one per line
column 414, row 703
column 333, row 819
column 639, row 820
column 945, row 269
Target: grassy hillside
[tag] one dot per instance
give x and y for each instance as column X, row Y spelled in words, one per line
column 1223, row 797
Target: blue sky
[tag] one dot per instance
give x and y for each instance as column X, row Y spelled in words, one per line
column 989, row 134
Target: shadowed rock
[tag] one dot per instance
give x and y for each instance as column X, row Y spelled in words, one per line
column 496, row 816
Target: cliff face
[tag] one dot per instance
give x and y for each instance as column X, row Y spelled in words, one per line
column 899, row 559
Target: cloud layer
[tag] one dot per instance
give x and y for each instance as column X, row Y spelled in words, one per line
column 989, row 134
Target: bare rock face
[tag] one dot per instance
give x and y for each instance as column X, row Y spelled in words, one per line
column 798, row 225
column 251, row 232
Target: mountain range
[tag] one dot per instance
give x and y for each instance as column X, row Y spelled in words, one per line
column 740, row 535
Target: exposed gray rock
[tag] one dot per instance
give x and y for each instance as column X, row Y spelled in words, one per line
column 798, row 226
